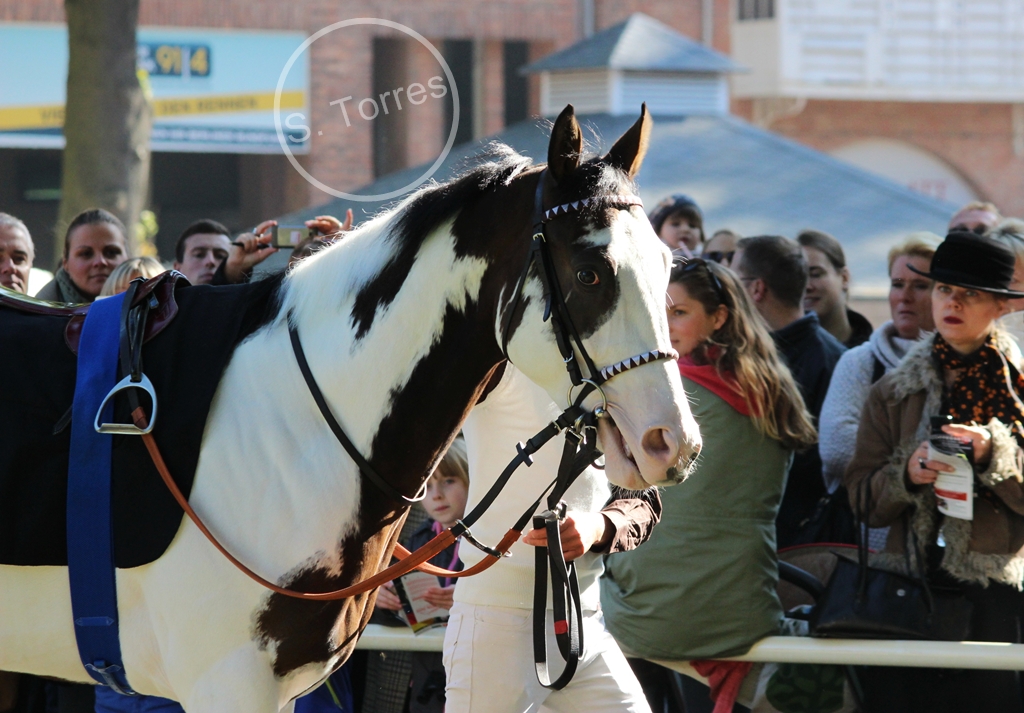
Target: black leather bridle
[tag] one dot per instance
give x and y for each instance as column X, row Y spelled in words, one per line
column 579, row 450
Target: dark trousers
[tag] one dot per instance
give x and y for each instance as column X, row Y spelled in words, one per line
column 663, row 696
column 70, row 697
column 670, row 692
column 998, row 611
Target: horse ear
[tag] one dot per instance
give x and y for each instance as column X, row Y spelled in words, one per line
column 566, row 147
column 629, row 151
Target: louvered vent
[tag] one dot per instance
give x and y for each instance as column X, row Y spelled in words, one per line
column 616, row 92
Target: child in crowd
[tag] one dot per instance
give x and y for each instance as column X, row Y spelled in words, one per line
column 679, row 223
column 445, row 503
column 127, row 271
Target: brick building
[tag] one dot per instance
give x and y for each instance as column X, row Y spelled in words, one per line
column 925, row 92
column 977, row 140
column 484, row 41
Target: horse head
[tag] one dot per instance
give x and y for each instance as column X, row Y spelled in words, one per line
column 433, row 295
column 612, row 271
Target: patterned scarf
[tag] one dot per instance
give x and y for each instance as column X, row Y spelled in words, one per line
column 69, row 291
column 980, row 392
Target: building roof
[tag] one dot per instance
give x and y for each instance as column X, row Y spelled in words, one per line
column 640, row 43
column 745, row 179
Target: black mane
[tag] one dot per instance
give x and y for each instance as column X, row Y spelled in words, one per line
column 429, row 208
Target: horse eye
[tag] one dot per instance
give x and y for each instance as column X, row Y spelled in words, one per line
column 588, row 277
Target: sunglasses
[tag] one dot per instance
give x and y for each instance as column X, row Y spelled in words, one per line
column 718, row 256
column 979, row 229
column 695, row 263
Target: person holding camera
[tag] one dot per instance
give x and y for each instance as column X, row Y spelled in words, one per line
column 206, row 254
column 969, row 370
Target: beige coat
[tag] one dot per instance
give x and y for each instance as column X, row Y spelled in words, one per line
column 894, row 422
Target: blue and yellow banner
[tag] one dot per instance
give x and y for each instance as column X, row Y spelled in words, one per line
column 212, row 90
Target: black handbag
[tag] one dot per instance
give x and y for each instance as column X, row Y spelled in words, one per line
column 831, row 522
column 865, row 602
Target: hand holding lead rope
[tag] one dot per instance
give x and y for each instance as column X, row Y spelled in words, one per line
column 579, row 532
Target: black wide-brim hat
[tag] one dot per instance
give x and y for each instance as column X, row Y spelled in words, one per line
column 976, row 262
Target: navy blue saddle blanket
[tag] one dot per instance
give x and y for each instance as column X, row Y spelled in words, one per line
column 185, row 362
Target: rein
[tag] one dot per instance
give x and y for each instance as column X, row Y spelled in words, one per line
column 580, row 450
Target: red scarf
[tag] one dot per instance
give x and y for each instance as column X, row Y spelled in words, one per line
column 724, row 386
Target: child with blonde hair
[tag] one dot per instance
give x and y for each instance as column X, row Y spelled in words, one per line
column 127, row 271
column 445, row 503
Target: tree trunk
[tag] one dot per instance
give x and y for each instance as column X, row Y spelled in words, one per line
column 107, row 117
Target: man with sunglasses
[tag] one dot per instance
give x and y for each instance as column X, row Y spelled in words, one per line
column 721, row 247
column 775, row 273
column 976, row 217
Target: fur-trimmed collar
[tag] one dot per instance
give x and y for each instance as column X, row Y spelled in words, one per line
column 918, row 370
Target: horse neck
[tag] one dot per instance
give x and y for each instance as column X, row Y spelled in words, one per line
column 403, row 387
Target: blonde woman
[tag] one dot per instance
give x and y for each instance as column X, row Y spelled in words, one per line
column 704, row 585
column 910, row 303
column 127, row 271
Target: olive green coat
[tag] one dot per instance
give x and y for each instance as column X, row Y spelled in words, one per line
column 704, row 584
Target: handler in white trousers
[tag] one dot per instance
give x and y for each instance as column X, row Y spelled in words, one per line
column 488, row 647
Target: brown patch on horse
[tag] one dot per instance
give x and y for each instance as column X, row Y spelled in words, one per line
column 315, row 632
column 427, row 211
column 304, row 631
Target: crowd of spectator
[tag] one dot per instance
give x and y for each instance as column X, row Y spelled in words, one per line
column 804, row 407
column 869, row 396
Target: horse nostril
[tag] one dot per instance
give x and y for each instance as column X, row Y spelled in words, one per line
column 660, row 444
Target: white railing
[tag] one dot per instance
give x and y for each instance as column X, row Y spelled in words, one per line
column 786, row 649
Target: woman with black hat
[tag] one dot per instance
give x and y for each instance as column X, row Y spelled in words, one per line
column 969, row 371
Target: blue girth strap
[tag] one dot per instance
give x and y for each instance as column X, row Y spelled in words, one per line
column 90, row 528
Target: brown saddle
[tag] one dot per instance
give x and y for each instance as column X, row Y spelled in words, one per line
column 160, row 288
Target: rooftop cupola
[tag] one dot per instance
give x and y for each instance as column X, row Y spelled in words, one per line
column 638, row 60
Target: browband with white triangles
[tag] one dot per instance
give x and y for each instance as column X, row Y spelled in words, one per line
column 639, row 360
column 613, row 200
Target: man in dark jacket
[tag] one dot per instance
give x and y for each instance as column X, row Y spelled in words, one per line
column 774, row 271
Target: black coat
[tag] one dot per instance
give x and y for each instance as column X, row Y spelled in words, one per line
column 811, row 354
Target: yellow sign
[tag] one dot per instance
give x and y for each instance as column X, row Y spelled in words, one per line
column 52, row 117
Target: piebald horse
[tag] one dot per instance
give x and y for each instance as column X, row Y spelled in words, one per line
column 402, row 323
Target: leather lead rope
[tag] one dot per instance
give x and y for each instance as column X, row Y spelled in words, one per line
column 431, row 549
column 406, row 561
column 579, row 451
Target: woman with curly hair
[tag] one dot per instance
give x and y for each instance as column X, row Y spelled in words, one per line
column 704, row 585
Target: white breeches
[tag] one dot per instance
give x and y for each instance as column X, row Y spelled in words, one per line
column 488, row 661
